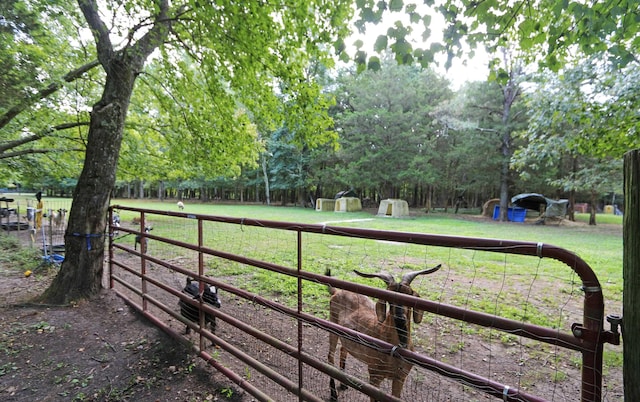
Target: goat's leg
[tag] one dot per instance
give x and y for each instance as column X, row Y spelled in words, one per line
column 333, row 342
column 375, row 379
column 212, row 326
column 343, row 361
column 400, row 375
column 396, row 386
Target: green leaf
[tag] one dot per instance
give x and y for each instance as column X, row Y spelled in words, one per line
column 426, row 21
column 426, row 34
column 396, row 5
column 402, row 49
column 368, row 15
column 360, row 58
column 381, row 43
column 339, row 46
column 373, row 64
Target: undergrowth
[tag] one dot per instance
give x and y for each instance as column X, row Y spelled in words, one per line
column 15, row 256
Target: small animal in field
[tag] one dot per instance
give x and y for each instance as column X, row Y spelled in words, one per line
column 58, row 218
column 140, row 240
column 116, row 224
column 180, row 205
column 209, row 296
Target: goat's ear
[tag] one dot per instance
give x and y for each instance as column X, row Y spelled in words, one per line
column 381, row 310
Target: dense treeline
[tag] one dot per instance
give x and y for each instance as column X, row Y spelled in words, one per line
column 402, row 132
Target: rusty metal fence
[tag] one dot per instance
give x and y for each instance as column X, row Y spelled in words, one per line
column 273, row 342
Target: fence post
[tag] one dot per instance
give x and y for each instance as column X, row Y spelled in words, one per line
column 631, row 276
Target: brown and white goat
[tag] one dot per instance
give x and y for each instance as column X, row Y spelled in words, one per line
column 359, row 313
column 58, row 218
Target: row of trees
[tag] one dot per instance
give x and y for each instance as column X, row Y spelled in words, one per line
column 403, row 133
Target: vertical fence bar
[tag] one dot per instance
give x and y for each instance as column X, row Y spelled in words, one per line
column 631, row 275
column 300, row 336
column 110, row 232
column 143, row 262
column 592, row 358
column 201, row 313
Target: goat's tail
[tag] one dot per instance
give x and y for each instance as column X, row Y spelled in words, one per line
column 327, row 272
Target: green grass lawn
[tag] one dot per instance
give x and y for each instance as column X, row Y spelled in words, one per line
column 600, row 246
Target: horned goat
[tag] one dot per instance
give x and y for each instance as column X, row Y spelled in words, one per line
column 359, row 313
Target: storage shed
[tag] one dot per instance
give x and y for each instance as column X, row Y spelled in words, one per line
column 348, row 204
column 395, row 208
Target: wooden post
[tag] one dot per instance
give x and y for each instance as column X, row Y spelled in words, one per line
column 631, row 276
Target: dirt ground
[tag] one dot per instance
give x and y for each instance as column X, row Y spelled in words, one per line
column 99, row 350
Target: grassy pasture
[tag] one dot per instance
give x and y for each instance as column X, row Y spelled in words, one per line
column 600, row 246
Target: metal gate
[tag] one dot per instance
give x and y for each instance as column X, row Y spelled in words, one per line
column 151, row 253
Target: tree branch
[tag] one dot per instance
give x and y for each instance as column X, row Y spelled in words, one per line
column 35, row 137
column 152, row 39
column 37, row 151
column 99, row 30
column 43, row 93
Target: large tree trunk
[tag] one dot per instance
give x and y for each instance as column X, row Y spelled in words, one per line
column 81, row 272
column 504, row 184
column 80, row 275
column 631, row 276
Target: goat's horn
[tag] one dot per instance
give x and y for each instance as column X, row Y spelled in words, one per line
column 388, row 279
column 410, row 276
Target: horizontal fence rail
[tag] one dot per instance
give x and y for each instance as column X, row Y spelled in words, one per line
column 178, row 245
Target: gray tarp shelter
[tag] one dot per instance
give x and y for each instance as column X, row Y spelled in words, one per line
column 534, row 201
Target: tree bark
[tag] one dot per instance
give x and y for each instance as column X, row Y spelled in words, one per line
column 80, row 275
column 592, row 212
column 267, row 192
column 510, row 91
column 631, row 276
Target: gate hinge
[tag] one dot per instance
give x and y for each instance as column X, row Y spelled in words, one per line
column 611, row 336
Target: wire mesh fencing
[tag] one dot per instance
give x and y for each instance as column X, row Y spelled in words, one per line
column 513, row 320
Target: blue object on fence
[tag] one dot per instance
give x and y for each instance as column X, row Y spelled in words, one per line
column 513, row 214
column 53, row 258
